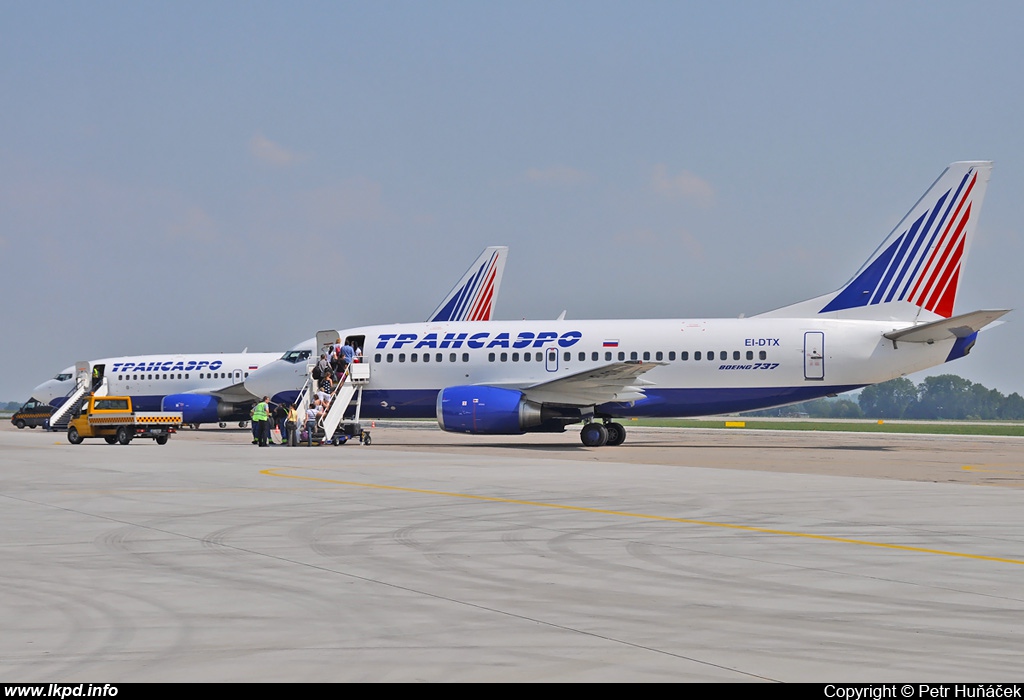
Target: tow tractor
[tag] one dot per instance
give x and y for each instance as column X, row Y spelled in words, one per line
column 112, row 418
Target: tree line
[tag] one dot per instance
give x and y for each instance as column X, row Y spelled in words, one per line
column 943, row 397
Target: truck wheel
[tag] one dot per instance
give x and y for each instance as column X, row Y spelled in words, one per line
column 111, row 439
column 19, row 424
column 123, row 436
column 73, row 437
column 161, row 439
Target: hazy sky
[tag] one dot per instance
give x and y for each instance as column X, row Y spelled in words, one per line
column 208, row 176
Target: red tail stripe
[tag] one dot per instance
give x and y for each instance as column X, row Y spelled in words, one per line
column 945, row 307
column 942, row 240
column 483, row 297
column 940, row 270
column 953, row 266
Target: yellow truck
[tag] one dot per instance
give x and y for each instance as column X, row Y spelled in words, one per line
column 112, row 418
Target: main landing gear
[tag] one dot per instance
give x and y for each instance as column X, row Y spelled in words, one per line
column 601, row 434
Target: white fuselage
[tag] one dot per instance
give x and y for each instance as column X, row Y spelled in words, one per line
column 150, row 378
column 708, row 366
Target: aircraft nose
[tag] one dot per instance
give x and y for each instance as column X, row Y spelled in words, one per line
column 271, row 379
column 45, row 392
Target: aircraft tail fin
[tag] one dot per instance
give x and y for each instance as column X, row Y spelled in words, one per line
column 472, row 298
column 915, row 273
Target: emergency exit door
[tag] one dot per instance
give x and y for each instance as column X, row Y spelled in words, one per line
column 814, row 355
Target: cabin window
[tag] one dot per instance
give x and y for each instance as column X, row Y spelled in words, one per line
column 504, row 357
column 762, row 355
column 723, row 355
column 622, row 355
column 608, row 356
column 391, row 357
column 647, row 355
column 401, row 357
column 465, row 357
column 696, row 355
column 711, row 355
column 412, row 358
column 490, row 357
column 672, row 355
column 567, row 356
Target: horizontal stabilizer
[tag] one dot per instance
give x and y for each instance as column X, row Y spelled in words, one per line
column 956, row 327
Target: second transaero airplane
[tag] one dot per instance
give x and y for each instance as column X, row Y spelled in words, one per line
column 498, row 378
column 209, row 388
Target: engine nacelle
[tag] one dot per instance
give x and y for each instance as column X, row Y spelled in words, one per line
column 197, row 408
column 488, row 410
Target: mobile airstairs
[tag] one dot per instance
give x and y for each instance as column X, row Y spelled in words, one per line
column 84, row 386
column 332, row 426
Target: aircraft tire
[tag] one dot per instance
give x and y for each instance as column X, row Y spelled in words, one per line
column 19, row 424
column 594, row 435
column 123, row 436
column 73, row 437
column 616, row 434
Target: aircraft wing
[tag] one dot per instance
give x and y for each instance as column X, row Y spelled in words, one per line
column 615, row 382
column 234, row 393
column 946, row 328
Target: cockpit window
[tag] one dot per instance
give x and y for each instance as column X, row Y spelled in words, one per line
column 63, row 377
column 295, row 356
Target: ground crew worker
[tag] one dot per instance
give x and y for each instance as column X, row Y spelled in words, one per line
column 260, row 414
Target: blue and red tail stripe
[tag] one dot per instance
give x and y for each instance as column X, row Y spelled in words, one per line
column 922, row 266
column 472, row 302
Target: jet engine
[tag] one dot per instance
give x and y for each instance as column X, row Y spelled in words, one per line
column 202, row 408
column 488, row 410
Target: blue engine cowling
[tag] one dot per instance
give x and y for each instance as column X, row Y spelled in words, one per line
column 488, row 410
column 197, row 408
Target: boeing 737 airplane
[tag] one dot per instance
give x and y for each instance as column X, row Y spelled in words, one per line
column 893, row 318
column 209, row 388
